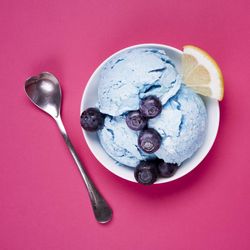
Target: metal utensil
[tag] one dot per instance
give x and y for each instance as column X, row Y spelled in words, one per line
column 45, row 92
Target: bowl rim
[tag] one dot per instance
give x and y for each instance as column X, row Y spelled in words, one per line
column 87, row 139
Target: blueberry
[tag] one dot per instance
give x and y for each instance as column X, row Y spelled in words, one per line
column 167, row 169
column 149, row 140
column 150, row 106
column 92, row 119
column 135, row 120
column 146, row 173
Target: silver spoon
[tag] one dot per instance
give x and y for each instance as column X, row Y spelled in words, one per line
column 45, row 92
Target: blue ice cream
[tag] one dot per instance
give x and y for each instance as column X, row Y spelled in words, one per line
column 182, row 126
column 120, row 142
column 133, row 75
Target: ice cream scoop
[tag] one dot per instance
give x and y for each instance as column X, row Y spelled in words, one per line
column 133, row 75
column 121, row 142
column 182, row 125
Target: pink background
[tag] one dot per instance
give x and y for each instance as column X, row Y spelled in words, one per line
column 43, row 202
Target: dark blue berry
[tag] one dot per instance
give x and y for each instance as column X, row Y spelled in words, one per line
column 167, row 169
column 92, row 119
column 146, row 172
column 135, row 120
column 149, row 140
column 150, row 106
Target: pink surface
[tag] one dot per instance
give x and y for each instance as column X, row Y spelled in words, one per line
column 43, row 202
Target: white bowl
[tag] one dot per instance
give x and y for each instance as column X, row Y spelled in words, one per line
column 89, row 99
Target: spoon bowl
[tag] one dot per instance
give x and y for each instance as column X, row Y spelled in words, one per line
column 45, row 92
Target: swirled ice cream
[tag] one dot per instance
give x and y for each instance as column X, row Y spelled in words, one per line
column 134, row 74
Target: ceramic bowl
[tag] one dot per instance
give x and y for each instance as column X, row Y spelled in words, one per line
column 89, row 99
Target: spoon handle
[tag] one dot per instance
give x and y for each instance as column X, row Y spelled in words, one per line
column 102, row 211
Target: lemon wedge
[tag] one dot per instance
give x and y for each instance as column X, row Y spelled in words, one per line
column 201, row 73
